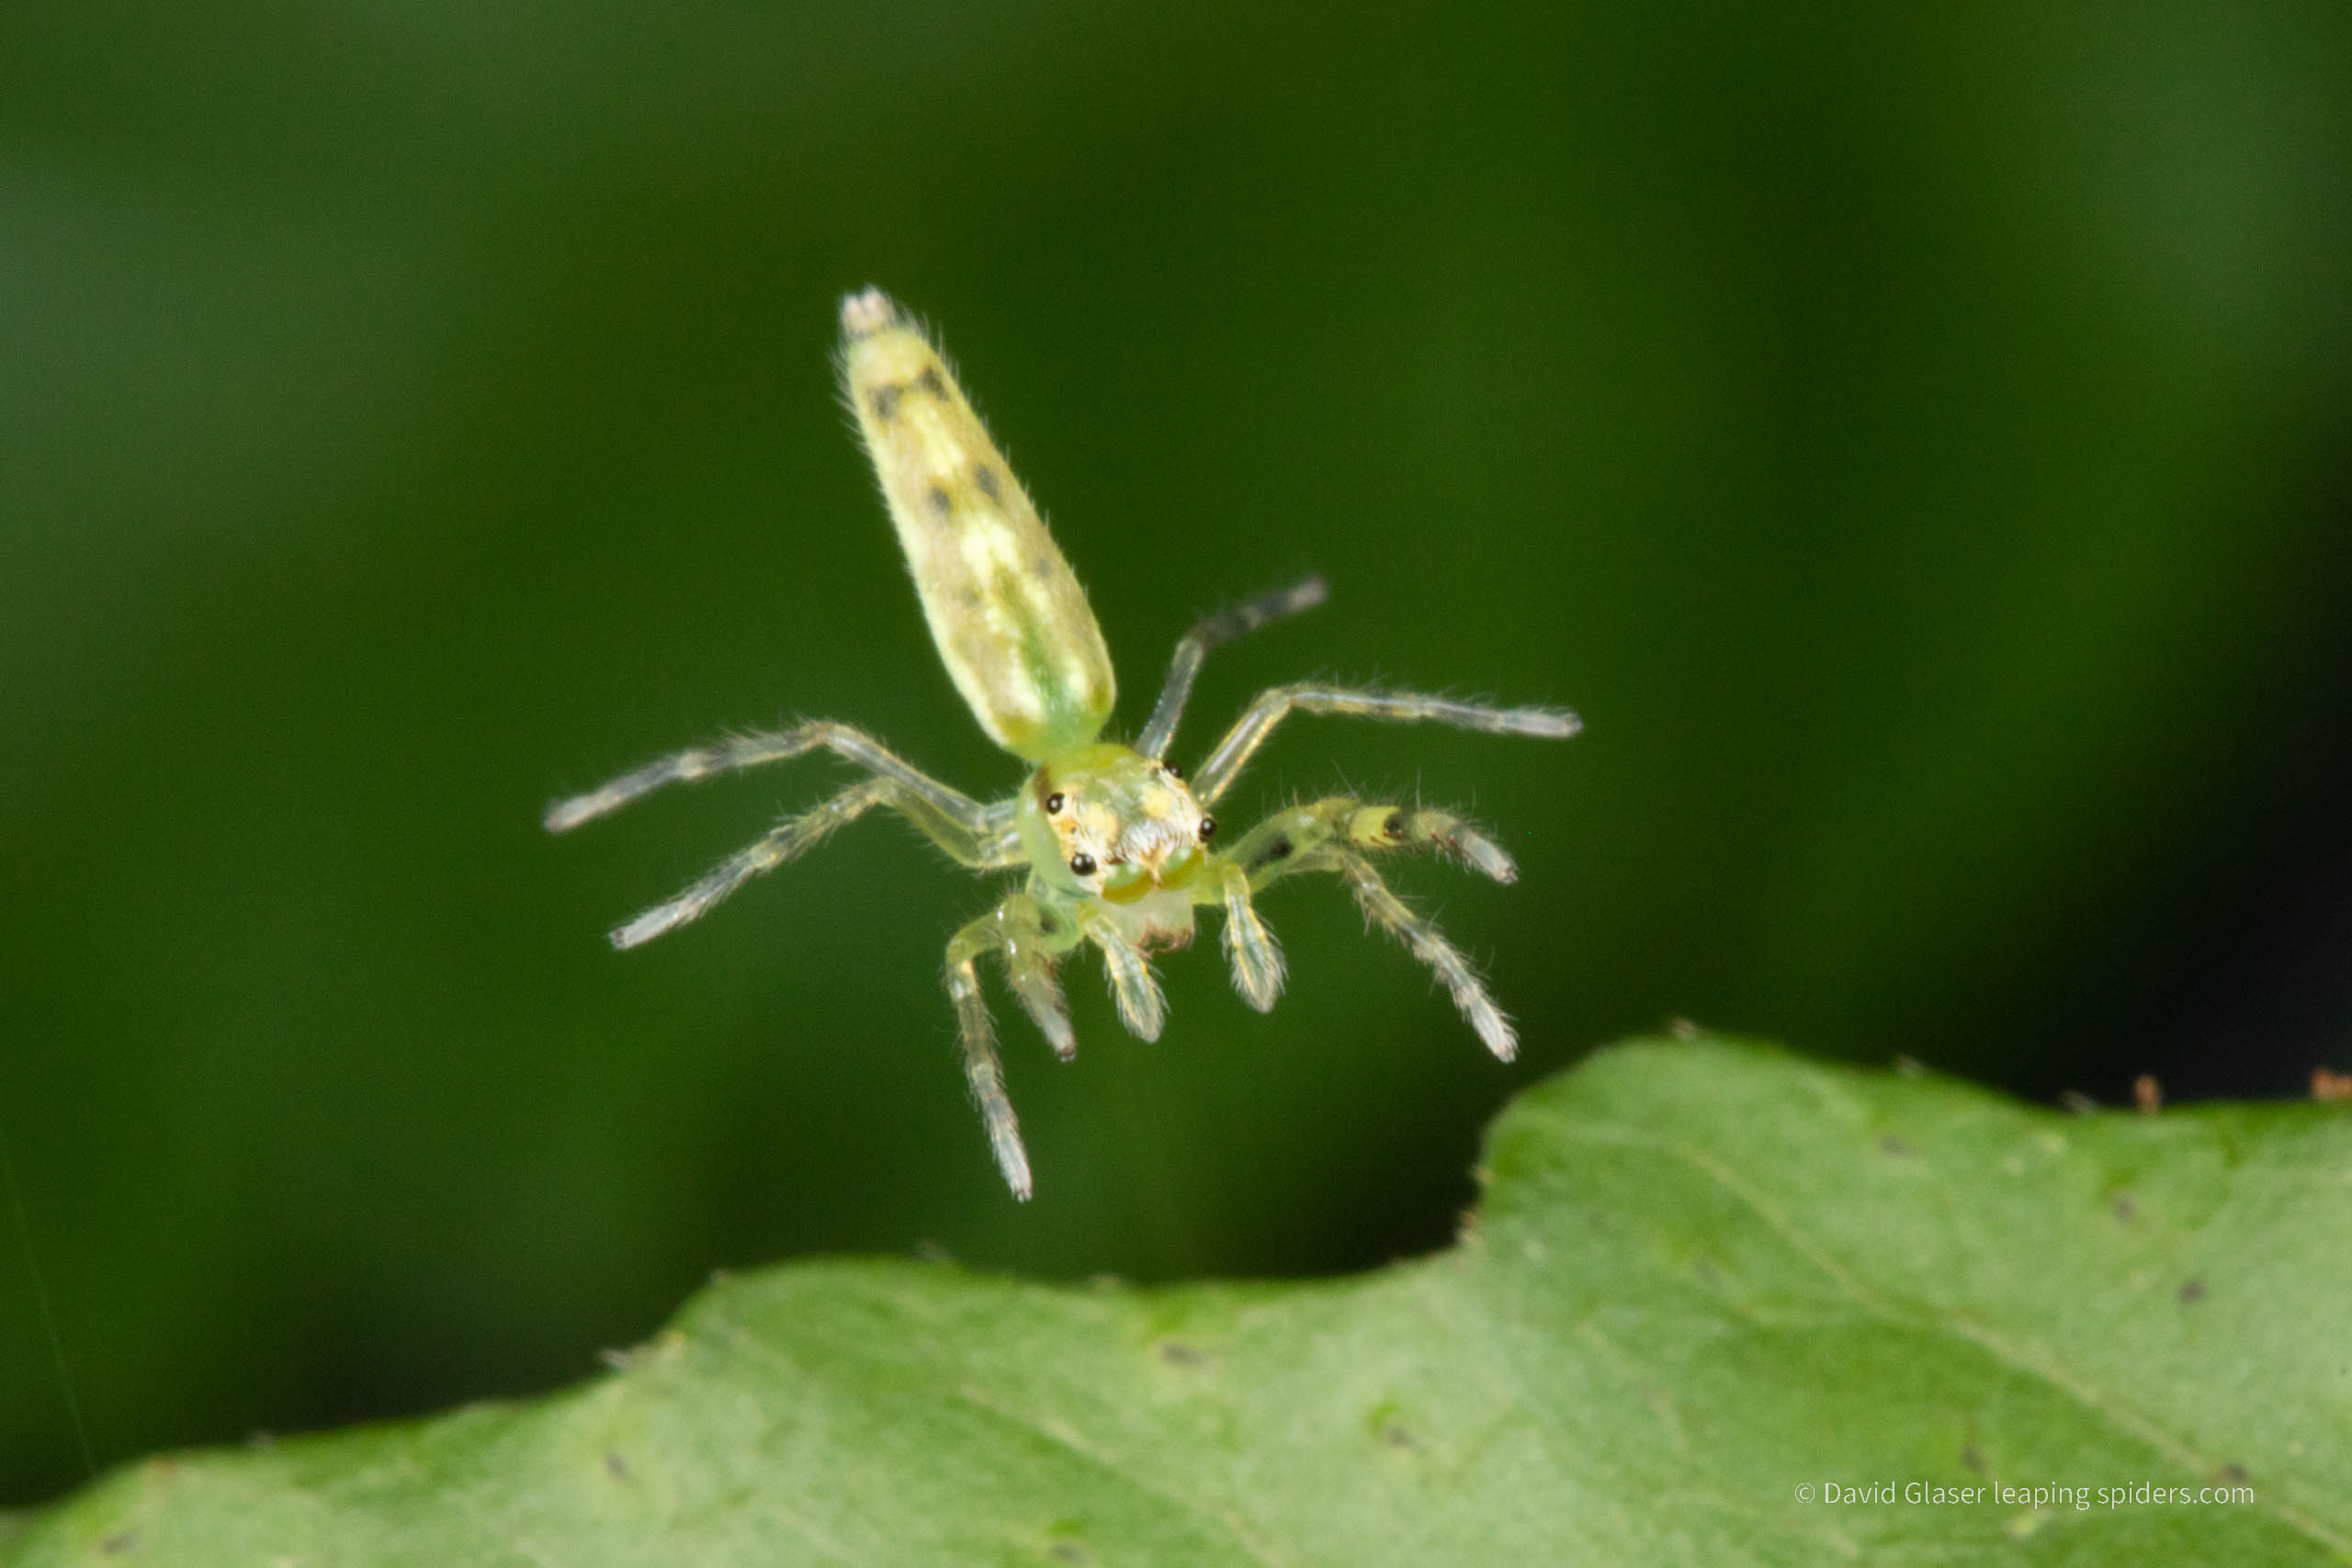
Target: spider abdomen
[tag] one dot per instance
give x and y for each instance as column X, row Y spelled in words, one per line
column 1010, row 619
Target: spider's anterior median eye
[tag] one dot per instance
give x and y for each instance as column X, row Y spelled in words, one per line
column 1208, row 829
column 1172, row 770
column 1053, row 803
column 1081, row 864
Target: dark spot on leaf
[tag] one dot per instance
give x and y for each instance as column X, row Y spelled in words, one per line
column 1970, row 1458
column 943, row 505
column 616, row 1466
column 2192, row 1292
column 1176, row 1353
column 932, row 381
column 884, row 401
column 985, row 477
column 1069, row 1551
column 1396, row 1435
column 1891, row 1144
column 120, row 1542
column 2124, row 1210
column 2235, row 1475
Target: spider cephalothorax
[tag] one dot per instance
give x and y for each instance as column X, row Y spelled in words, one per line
column 1106, row 822
column 1119, row 848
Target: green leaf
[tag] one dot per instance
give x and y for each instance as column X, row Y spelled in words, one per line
column 1704, row 1276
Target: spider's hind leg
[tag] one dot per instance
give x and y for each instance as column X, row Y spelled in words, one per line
column 1238, row 621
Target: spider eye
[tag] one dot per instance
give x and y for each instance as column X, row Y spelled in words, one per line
column 1172, row 770
column 1081, row 864
column 1208, row 829
column 1053, row 804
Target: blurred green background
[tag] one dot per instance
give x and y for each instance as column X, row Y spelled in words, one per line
column 1919, row 440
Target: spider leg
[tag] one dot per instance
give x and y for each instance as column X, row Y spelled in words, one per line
column 757, row 750
column 1272, row 707
column 1223, row 626
column 1029, row 966
column 1142, row 1008
column 1421, row 937
column 1250, row 947
column 1264, row 851
column 795, row 834
column 975, row 1035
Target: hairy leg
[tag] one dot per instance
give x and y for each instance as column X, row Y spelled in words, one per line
column 1029, row 966
column 1132, row 985
column 1422, row 938
column 1250, row 947
column 760, row 748
column 1272, row 707
column 793, row 836
column 1273, row 849
column 975, row 1035
column 1224, row 626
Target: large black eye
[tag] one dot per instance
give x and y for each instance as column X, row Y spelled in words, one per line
column 1053, row 804
column 1172, row 770
column 1208, row 829
column 1081, row 864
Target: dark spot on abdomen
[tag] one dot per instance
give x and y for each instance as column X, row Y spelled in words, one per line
column 943, row 505
column 985, row 477
column 884, row 401
column 932, row 381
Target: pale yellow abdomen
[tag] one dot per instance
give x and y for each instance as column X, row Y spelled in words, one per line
column 1010, row 619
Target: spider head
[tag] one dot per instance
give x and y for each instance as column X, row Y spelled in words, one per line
column 1105, row 819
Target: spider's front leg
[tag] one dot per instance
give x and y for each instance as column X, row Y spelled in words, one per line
column 1015, row 928
column 1288, row 842
column 1417, row 931
column 1274, row 847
